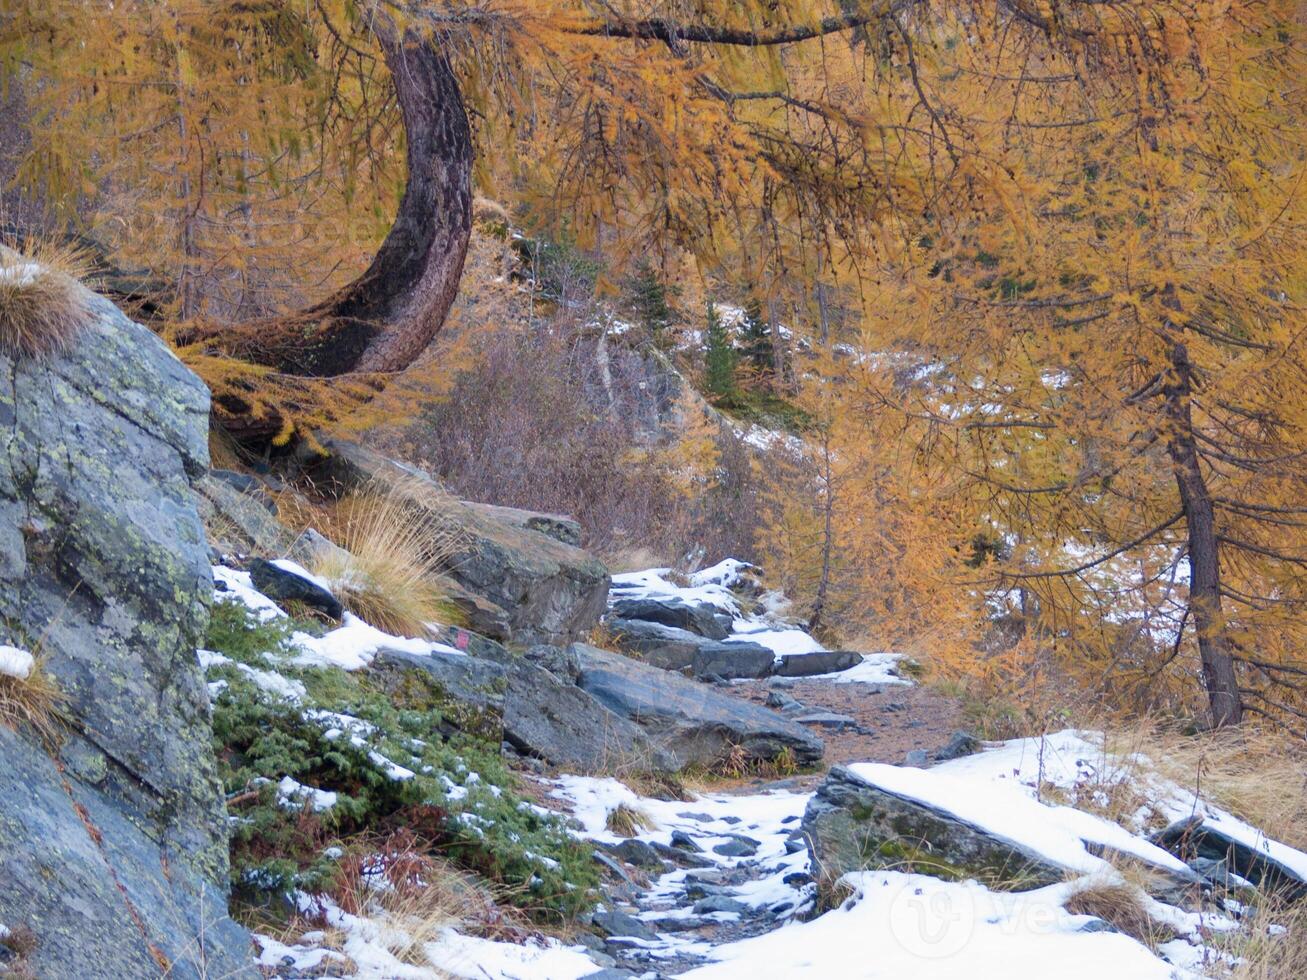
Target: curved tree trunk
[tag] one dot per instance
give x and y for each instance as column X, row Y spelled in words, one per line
column 384, row 319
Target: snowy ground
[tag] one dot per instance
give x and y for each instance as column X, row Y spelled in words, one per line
column 762, row 619
column 897, row 925
column 747, row 910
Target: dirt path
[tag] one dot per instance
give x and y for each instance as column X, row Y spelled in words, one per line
column 891, row 720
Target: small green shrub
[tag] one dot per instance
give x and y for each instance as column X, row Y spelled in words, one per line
column 346, row 736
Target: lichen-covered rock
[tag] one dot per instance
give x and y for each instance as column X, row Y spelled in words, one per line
column 696, row 724
column 238, row 515
column 550, row 590
column 468, row 690
column 851, row 825
column 113, row 844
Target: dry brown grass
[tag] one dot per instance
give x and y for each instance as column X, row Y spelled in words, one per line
column 416, row 896
column 1273, row 944
column 43, row 306
column 394, row 553
column 1121, row 904
column 1256, row 774
column 34, row 701
column 625, row 820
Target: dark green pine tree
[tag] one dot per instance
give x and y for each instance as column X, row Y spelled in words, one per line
column 719, row 357
column 756, row 340
column 647, row 297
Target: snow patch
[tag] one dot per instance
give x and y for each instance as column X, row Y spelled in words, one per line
column 16, row 663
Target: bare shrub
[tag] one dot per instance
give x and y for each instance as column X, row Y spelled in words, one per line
column 556, row 418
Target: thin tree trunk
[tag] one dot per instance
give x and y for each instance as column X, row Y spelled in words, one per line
column 1204, row 548
column 827, row 542
column 384, row 319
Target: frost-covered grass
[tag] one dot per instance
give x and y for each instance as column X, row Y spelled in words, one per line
column 382, row 760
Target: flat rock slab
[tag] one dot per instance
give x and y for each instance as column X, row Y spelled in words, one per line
column 824, row 719
column 700, row 618
column 697, row 725
column 852, row 825
column 732, row 661
column 809, row 664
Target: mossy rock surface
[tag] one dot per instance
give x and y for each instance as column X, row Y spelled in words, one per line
column 852, row 825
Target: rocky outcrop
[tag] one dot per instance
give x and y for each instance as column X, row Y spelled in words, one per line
column 1205, row 846
column 469, row 690
column 559, row 722
column 695, row 724
column 521, row 703
column 547, row 589
column 704, row 619
column 239, row 516
column 672, row 648
column 852, row 825
column 113, row 843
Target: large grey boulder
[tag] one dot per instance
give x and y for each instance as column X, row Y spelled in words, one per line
column 701, row 618
column 659, row 646
column 852, row 825
column 696, row 724
column 549, row 590
column 113, row 843
column 673, row 648
column 562, row 724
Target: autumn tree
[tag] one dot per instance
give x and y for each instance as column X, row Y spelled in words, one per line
column 1105, row 347
column 250, row 135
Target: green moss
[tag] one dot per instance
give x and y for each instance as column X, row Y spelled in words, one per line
column 464, row 798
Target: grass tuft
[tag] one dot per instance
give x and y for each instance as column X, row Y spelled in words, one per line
column 43, row 306
column 392, row 553
column 33, row 701
column 625, row 820
column 1123, row 906
column 1273, row 943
